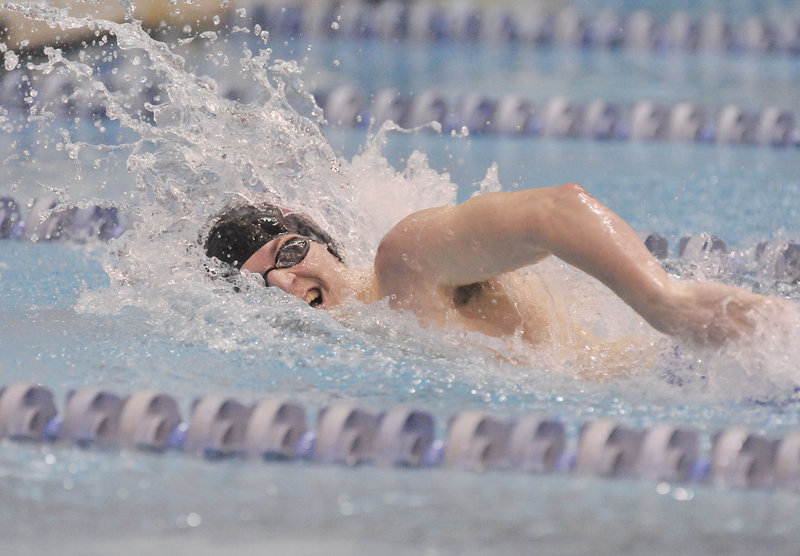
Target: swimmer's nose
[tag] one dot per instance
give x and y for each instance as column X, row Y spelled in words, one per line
column 282, row 278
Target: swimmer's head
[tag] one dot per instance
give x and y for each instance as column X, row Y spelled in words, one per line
column 286, row 248
column 241, row 230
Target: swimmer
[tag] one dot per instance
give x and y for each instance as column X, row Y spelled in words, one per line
column 457, row 265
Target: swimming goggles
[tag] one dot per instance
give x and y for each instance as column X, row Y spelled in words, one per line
column 290, row 254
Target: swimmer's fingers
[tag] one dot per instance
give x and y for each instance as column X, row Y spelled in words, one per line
column 737, row 314
column 734, row 321
column 712, row 314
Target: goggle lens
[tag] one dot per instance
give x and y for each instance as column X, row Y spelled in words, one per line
column 290, row 254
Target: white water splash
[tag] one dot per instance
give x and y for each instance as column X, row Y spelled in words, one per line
column 201, row 149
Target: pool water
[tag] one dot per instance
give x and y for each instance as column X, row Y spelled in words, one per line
column 139, row 313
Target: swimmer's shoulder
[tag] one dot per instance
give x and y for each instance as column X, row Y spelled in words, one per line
column 405, row 263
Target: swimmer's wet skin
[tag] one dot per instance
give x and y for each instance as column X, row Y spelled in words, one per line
column 428, row 260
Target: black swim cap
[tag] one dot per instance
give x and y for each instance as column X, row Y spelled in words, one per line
column 239, row 231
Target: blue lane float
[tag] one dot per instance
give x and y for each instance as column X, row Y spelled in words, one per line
column 276, row 429
column 568, row 26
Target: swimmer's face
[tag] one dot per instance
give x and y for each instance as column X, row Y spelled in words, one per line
column 318, row 278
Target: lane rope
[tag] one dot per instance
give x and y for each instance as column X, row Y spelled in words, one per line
column 513, row 115
column 468, row 22
column 277, row 429
column 510, row 115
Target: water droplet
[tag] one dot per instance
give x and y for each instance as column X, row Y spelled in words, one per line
column 682, row 494
column 11, row 60
column 346, row 506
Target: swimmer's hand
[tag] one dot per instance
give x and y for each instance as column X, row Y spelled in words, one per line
column 710, row 313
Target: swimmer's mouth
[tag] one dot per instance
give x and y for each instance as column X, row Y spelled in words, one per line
column 314, row 297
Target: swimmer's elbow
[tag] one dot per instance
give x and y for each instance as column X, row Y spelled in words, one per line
column 572, row 188
column 569, row 194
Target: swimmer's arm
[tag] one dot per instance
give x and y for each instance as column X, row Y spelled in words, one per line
column 499, row 232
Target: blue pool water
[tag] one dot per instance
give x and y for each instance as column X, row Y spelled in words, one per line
column 139, row 314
